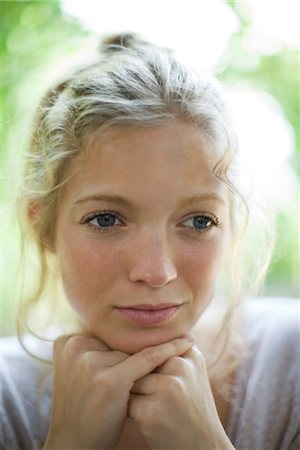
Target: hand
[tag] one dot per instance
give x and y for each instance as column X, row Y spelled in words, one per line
column 91, row 389
column 83, row 401
column 174, row 407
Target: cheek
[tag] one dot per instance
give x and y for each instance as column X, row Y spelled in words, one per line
column 200, row 265
column 88, row 269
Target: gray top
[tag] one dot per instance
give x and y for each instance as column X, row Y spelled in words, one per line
column 265, row 410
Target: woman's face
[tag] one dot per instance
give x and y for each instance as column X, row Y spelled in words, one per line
column 140, row 235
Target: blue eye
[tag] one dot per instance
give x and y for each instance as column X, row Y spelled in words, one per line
column 105, row 220
column 200, row 223
column 102, row 221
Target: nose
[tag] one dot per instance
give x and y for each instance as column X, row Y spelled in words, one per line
column 152, row 263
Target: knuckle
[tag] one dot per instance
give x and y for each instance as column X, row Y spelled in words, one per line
column 174, row 383
column 186, row 366
column 61, row 340
column 176, row 361
column 60, row 343
column 76, row 342
column 89, row 360
column 199, row 357
column 106, row 383
column 177, row 364
column 74, row 345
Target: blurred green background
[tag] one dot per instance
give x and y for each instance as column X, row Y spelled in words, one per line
column 37, row 40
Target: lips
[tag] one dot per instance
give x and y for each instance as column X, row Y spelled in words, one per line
column 148, row 314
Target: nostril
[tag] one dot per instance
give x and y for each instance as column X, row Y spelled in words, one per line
column 156, row 278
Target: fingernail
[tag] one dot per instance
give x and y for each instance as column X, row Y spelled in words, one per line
column 190, row 338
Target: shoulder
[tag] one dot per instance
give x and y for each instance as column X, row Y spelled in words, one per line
column 25, row 396
column 268, row 379
column 272, row 337
column 273, row 325
column 23, row 369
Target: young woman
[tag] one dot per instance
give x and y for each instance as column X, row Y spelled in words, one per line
column 132, row 199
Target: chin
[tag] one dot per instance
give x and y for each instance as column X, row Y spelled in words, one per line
column 141, row 340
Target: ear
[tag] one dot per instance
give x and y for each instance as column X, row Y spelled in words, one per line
column 35, row 213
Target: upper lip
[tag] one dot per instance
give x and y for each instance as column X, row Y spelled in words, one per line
column 149, row 306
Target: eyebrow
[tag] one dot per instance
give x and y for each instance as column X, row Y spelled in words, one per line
column 122, row 201
column 104, row 197
column 209, row 196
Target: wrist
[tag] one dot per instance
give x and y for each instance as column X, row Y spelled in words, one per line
column 223, row 442
column 216, row 438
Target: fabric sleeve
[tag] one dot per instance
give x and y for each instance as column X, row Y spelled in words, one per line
column 24, row 398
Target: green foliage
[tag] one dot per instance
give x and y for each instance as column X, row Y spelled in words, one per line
column 283, row 277
column 34, row 35
column 277, row 74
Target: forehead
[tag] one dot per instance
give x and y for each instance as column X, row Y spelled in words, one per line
column 167, row 156
column 177, row 141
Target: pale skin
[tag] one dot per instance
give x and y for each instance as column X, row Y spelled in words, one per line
column 122, row 383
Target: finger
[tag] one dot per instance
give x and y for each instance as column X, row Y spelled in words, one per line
column 193, row 352
column 195, row 355
column 73, row 347
column 110, row 359
column 95, row 343
column 137, row 406
column 177, row 365
column 145, row 361
column 81, row 342
column 182, row 365
column 147, row 385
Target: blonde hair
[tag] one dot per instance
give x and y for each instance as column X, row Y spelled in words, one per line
column 132, row 83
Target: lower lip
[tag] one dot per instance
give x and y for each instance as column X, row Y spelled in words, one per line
column 149, row 317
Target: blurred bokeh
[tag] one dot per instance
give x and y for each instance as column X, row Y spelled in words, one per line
column 252, row 47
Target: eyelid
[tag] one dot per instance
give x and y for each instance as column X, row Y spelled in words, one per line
column 214, row 223
column 90, row 217
column 210, row 216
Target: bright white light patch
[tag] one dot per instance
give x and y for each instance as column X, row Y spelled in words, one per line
column 198, row 29
column 277, row 19
column 266, row 142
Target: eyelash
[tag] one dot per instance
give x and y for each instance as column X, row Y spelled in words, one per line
column 97, row 229
column 212, row 218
